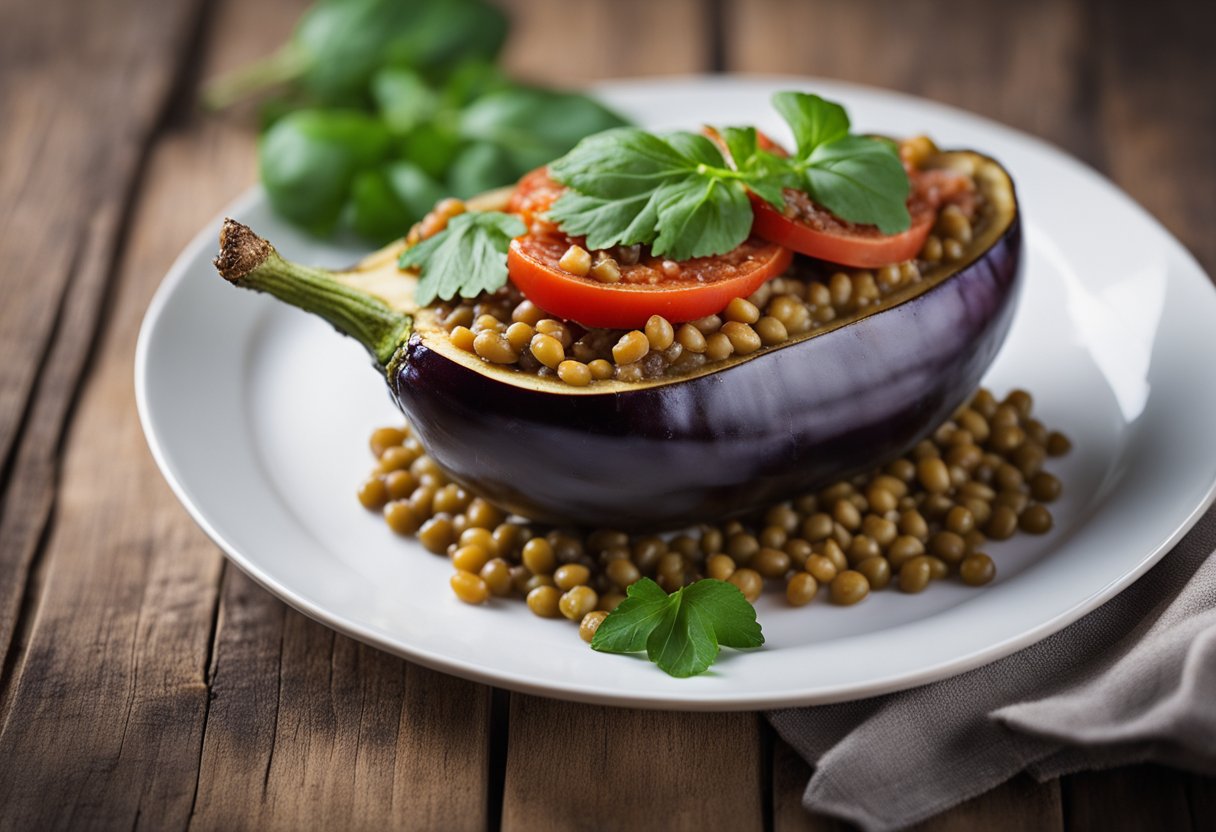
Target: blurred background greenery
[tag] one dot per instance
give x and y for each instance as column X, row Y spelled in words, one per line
column 374, row 110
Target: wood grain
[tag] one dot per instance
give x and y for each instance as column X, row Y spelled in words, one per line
column 1021, row 63
column 143, row 683
column 310, row 729
column 573, row 42
column 78, row 701
column 1130, row 798
column 1157, row 113
column 74, row 124
column 573, row 766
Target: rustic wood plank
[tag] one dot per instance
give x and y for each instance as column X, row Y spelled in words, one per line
column 76, row 698
column 310, row 729
column 305, row 727
column 573, row 42
column 74, row 123
column 1018, row 804
column 790, row 776
column 574, row 766
column 1025, row 64
column 106, row 695
column 1201, row 795
column 1131, row 798
column 1158, row 113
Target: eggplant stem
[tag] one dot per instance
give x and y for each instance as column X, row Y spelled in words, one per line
column 250, row 262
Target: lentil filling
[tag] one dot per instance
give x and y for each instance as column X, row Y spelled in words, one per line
column 931, row 515
column 505, row 328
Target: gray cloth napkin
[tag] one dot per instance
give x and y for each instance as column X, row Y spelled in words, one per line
column 1133, row 681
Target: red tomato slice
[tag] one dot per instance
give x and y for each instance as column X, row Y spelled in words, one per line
column 815, row 232
column 679, row 291
column 811, row 230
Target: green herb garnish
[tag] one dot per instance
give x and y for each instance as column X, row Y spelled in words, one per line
column 681, row 196
column 680, row 632
column 376, row 106
column 857, row 178
column 466, row 258
column 674, row 193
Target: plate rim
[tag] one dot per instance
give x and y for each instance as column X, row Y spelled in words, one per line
column 657, row 699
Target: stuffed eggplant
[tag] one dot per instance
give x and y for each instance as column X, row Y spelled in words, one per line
column 678, row 441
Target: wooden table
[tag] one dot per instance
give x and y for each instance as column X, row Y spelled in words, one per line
column 148, row 684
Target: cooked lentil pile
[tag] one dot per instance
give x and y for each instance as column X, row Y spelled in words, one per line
column 926, row 516
column 506, row 329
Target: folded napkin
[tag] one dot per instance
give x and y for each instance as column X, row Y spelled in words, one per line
column 1133, row 681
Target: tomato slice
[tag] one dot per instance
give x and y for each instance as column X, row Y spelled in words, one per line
column 815, row 232
column 679, row 291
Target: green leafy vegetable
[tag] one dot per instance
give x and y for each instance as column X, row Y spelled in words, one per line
column 680, row 195
column 534, row 126
column 858, row 179
column 419, row 76
column 309, row 160
column 466, row 258
column 681, row 632
column 675, row 193
column 339, row 44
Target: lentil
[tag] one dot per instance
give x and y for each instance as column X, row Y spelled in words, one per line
column 977, row 569
column 576, row 261
column 544, row 601
column 469, row 588
column 848, row 588
column 877, row 571
column 590, row 623
column 801, row 589
column 749, row 582
column 901, row 524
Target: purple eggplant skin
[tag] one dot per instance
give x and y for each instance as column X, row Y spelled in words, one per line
column 716, row 445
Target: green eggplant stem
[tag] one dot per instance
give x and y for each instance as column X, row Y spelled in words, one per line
column 248, row 261
column 285, row 64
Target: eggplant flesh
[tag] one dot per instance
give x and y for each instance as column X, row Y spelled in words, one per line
column 751, row 431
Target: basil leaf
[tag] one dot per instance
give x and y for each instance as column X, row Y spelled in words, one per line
column 813, row 120
column 860, row 180
column 466, row 258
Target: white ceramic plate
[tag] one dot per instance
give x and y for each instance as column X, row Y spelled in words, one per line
column 258, row 417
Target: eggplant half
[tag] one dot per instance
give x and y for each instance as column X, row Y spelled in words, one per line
column 702, row 447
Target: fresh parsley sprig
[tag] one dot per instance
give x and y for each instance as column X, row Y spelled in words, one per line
column 674, row 193
column 683, row 631
column 680, row 195
column 858, row 178
column 466, row 258
column 683, row 194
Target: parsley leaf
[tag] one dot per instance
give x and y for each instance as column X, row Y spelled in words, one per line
column 858, row 179
column 765, row 173
column 681, row 632
column 466, row 258
column 814, row 120
column 675, row 193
